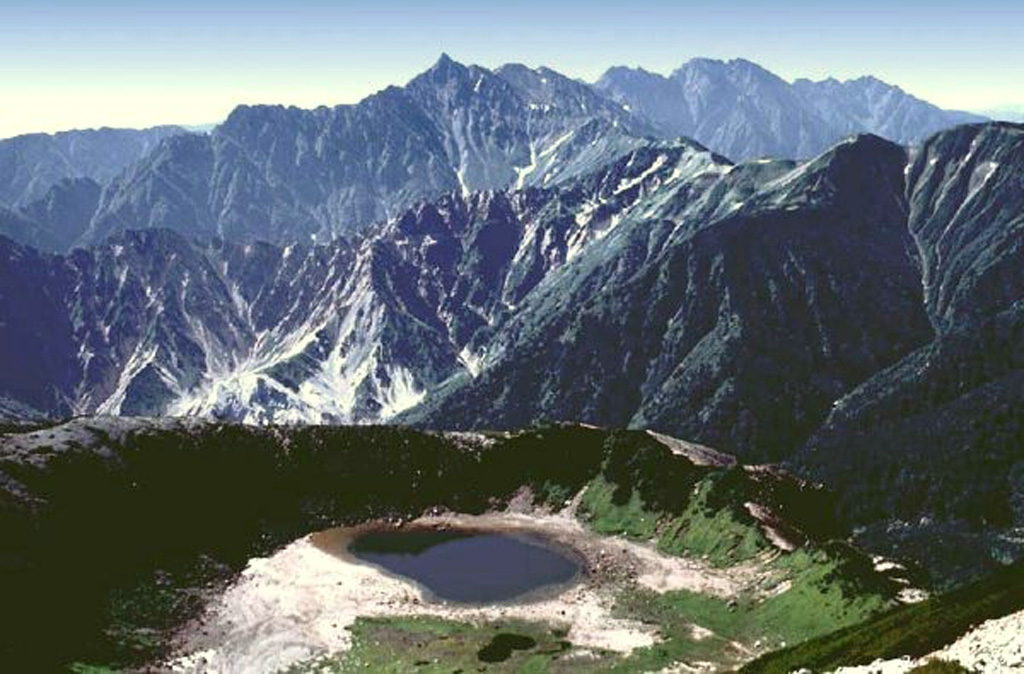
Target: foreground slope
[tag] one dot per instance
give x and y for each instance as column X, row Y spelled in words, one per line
column 930, row 629
column 119, row 530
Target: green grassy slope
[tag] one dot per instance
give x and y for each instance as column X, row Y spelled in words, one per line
column 913, row 630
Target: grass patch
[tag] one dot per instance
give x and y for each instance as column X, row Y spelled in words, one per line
column 605, row 516
column 830, row 588
column 723, row 535
column 434, row 645
column 694, row 511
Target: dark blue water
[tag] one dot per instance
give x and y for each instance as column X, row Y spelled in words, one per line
column 467, row 567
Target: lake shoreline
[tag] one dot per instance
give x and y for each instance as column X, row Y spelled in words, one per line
column 297, row 604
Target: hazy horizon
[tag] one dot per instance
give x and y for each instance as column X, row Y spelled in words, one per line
column 112, row 63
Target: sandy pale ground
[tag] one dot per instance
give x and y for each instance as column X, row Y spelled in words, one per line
column 296, row 604
column 994, row 647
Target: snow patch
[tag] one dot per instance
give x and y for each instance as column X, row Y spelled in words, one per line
column 140, row 358
column 400, row 394
column 627, row 183
column 470, row 361
column 522, row 172
column 551, row 149
column 461, row 175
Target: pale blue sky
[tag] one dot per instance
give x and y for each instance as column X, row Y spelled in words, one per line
column 73, row 64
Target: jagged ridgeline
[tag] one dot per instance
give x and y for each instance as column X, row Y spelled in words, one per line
column 114, row 529
column 285, row 175
column 744, row 111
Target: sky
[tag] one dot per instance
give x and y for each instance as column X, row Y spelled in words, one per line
column 74, row 64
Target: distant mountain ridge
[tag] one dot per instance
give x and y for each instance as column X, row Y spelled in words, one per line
column 31, row 164
column 286, row 175
column 1006, row 113
column 744, row 111
column 50, row 185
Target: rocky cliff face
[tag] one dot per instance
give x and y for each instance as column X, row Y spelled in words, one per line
column 757, row 297
column 357, row 330
column 745, row 323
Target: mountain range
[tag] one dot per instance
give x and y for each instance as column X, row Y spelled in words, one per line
column 283, row 175
column 871, row 296
column 1006, row 113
